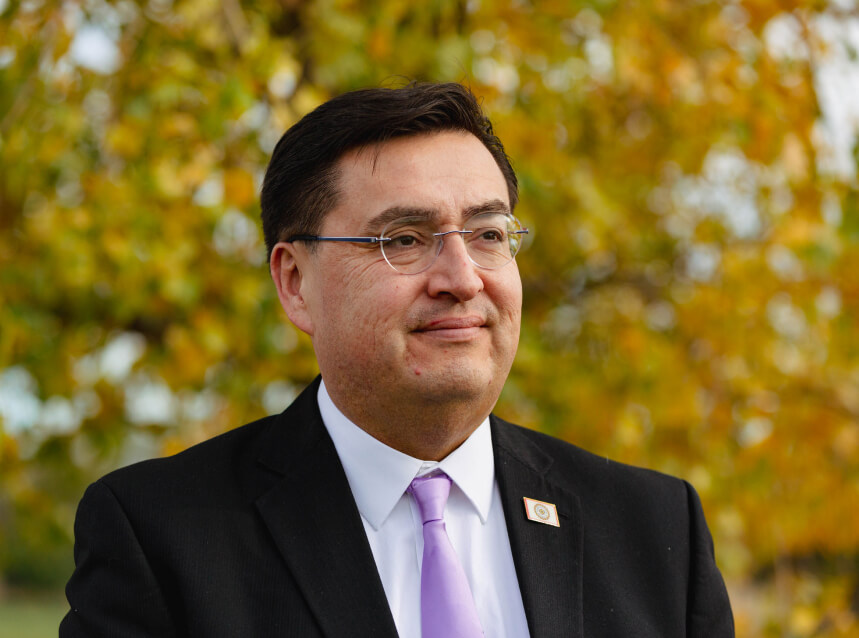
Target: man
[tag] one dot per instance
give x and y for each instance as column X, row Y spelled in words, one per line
column 387, row 499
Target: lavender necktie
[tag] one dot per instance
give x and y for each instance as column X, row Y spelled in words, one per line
column 447, row 606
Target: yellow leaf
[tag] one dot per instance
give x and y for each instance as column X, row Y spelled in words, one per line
column 239, row 187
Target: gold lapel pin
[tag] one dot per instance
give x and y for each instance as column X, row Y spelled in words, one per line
column 541, row 512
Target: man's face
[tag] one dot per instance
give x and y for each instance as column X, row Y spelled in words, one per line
column 447, row 334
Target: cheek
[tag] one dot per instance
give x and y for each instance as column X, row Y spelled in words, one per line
column 507, row 296
column 361, row 312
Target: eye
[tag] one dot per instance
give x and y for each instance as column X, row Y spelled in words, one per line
column 490, row 235
column 404, row 240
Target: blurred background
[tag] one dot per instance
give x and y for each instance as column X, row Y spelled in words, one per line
column 688, row 170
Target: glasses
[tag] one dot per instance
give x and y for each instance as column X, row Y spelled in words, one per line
column 412, row 244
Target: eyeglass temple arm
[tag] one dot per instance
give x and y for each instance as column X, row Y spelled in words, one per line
column 355, row 240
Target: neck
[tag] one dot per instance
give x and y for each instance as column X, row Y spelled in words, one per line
column 426, row 430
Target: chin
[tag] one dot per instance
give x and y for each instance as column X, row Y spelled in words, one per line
column 453, row 383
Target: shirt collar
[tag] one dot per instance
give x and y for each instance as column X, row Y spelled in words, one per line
column 379, row 474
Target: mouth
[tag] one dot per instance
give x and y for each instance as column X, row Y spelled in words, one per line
column 453, row 328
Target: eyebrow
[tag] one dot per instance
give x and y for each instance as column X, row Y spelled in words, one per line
column 378, row 222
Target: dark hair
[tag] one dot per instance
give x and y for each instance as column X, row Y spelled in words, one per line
column 300, row 184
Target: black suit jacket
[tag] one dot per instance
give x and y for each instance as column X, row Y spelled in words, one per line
column 255, row 533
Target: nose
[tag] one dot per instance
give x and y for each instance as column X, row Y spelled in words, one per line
column 453, row 272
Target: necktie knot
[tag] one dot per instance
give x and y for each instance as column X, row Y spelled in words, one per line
column 431, row 494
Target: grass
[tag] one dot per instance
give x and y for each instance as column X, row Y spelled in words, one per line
column 31, row 617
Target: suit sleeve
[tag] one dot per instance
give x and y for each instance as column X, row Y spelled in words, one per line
column 113, row 590
column 708, row 607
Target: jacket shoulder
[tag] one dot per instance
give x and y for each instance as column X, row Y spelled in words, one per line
column 566, row 460
column 222, row 464
column 607, row 490
column 210, row 467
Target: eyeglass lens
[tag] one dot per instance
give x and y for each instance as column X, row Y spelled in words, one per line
column 412, row 246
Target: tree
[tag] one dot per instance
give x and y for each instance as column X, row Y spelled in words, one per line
column 687, row 169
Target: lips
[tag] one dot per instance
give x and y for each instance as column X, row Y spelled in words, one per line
column 452, row 329
column 452, row 323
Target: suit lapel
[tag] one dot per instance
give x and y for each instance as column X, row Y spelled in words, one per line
column 315, row 524
column 548, row 559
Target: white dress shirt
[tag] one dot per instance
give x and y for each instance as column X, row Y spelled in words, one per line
column 474, row 517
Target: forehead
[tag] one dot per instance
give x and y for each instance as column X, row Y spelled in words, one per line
column 446, row 174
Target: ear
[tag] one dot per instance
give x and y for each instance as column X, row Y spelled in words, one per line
column 288, row 266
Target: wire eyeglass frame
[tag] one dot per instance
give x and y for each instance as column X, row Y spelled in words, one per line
column 514, row 230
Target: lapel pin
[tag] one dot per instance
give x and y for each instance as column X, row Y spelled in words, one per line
column 541, row 512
